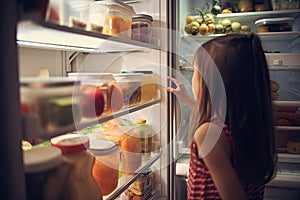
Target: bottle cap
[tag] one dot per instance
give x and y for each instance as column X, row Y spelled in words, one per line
column 141, row 121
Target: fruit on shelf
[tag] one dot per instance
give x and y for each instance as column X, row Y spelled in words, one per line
column 92, row 102
column 235, row 26
column 216, row 9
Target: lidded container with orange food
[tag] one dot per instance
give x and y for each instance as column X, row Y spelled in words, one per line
column 106, row 83
column 80, row 182
column 106, row 167
column 118, row 19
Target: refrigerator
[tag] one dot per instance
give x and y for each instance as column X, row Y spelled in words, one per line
column 282, row 51
column 32, row 43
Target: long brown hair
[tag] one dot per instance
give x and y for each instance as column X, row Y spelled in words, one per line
column 246, row 107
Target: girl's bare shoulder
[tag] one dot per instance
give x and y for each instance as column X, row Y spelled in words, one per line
column 212, row 133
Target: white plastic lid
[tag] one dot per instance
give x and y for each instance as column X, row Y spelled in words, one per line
column 103, row 147
column 86, row 75
column 274, row 21
column 40, row 159
column 34, row 82
column 129, row 77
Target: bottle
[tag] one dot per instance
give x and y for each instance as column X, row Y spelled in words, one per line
column 80, row 182
column 146, row 135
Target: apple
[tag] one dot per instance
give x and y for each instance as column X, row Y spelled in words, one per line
column 92, row 101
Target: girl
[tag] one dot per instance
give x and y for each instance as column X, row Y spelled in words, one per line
column 233, row 151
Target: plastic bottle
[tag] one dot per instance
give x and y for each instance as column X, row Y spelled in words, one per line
column 146, row 135
column 80, row 182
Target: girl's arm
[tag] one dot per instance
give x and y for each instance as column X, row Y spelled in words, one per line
column 182, row 94
column 217, row 160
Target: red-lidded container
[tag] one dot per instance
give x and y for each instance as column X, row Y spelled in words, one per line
column 80, row 183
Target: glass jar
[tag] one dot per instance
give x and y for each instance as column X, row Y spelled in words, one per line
column 41, row 168
column 54, row 102
column 141, row 28
column 80, row 183
column 106, row 167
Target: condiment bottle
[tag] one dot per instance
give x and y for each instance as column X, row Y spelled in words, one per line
column 106, row 166
column 146, row 135
column 80, row 182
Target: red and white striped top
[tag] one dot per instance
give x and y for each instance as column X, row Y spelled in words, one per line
column 200, row 183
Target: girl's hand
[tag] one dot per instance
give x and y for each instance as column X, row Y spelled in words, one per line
column 181, row 93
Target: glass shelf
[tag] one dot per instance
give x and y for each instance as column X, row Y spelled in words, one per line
column 54, row 36
column 252, row 16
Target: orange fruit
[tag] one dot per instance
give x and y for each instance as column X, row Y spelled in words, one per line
column 226, row 11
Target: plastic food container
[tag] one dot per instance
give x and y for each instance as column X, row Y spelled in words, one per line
column 106, row 167
column 142, row 28
column 73, row 13
column 149, row 85
column 118, row 19
column 274, row 24
column 54, row 102
column 40, row 165
column 97, row 13
column 80, row 182
column 130, row 84
column 106, row 83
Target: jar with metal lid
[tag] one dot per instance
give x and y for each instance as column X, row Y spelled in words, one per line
column 54, row 102
column 141, row 28
column 80, row 183
column 42, row 166
column 106, row 167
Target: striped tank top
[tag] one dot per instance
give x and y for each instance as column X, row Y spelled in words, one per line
column 200, row 183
